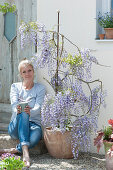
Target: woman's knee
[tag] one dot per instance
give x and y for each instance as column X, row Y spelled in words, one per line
column 12, row 131
column 35, row 136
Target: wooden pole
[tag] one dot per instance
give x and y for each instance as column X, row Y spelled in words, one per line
column 57, row 54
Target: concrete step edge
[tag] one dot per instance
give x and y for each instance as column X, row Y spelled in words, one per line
column 4, row 107
column 6, row 142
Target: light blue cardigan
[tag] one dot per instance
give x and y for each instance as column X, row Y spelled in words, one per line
column 34, row 97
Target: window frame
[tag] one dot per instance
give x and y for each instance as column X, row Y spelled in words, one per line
column 102, row 6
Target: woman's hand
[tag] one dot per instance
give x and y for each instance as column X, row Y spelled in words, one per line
column 27, row 109
column 18, row 109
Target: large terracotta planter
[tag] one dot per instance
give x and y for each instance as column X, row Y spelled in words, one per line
column 108, row 33
column 109, row 159
column 57, row 143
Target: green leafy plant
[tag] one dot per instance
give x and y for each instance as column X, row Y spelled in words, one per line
column 7, row 8
column 73, row 60
column 106, row 20
column 11, row 162
column 104, row 135
column 107, row 132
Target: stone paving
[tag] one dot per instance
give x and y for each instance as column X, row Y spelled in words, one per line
column 41, row 160
column 85, row 161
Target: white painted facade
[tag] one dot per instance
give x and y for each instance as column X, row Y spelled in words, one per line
column 78, row 23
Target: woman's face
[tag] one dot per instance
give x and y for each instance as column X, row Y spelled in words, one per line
column 27, row 73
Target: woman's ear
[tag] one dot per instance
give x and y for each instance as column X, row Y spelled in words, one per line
column 21, row 75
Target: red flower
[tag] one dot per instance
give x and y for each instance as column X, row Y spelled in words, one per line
column 110, row 121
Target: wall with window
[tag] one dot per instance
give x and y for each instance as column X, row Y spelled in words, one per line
column 78, row 23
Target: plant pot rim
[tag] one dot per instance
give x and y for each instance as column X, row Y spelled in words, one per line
column 108, row 28
column 101, row 34
column 106, row 141
column 56, row 129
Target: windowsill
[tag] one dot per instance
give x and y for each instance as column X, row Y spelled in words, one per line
column 104, row 40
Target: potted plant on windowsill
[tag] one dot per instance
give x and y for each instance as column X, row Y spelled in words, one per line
column 101, row 36
column 106, row 21
column 74, row 104
column 105, row 136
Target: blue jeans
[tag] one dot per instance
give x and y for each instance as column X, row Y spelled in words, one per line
column 28, row 133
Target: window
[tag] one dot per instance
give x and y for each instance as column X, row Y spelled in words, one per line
column 102, row 6
column 112, row 6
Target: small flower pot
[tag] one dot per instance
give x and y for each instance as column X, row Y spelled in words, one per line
column 101, row 36
column 108, row 33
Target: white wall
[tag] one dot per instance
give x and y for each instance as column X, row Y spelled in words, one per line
column 77, row 22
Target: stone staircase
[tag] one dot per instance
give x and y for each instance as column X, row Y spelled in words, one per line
column 6, row 141
column 5, row 115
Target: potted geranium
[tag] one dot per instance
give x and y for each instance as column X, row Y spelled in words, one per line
column 74, row 104
column 105, row 136
column 106, row 21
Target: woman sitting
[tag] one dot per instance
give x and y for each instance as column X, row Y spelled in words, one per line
column 26, row 125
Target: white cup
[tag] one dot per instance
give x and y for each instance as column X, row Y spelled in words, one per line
column 23, row 105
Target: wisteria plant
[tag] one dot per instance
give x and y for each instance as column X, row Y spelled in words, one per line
column 7, row 7
column 77, row 97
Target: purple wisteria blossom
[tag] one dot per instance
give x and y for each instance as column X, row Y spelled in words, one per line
column 78, row 97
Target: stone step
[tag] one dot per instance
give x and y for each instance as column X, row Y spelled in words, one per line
column 4, row 107
column 4, row 121
column 6, row 142
column 3, row 127
column 5, row 116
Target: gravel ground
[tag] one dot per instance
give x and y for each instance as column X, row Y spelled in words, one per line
column 85, row 161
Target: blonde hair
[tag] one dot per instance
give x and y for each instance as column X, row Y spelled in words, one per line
column 26, row 63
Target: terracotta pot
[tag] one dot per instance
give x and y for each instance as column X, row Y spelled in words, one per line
column 101, row 36
column 57, row 143
column 108, row 33
column 109, row 159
